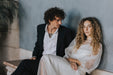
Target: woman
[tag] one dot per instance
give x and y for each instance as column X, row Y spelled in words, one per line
column 82, row 56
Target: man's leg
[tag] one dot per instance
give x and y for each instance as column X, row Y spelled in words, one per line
column 26, row 73
column 27, row 66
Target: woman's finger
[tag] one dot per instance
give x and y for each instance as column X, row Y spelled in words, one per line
column 75, row 66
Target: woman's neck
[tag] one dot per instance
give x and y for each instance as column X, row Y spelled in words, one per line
column 89, row 38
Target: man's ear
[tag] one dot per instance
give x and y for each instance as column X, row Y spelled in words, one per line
column 49, row 21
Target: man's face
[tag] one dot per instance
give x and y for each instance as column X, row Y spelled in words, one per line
column 56, row 22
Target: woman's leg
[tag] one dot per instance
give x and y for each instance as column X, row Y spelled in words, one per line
column 42, row 68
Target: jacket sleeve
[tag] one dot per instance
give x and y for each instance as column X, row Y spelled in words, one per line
column 70, row 35
column 37, row 53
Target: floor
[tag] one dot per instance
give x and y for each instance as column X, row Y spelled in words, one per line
column 8, row 67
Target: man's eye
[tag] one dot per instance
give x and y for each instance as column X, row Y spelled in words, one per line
column 58, row 20
column 83, row 26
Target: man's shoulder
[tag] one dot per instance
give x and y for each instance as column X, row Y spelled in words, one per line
column 41, row 25
column 66, row 29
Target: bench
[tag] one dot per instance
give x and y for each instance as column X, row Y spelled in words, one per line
column 101, row 72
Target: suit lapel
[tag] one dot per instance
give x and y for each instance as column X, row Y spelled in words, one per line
column 60, row 39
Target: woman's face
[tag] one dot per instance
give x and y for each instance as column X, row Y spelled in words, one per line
column 87, row 28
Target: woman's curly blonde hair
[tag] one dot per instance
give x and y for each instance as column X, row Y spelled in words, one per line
column 96, row 34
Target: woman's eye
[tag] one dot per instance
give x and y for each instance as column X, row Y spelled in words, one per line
column 90, row 25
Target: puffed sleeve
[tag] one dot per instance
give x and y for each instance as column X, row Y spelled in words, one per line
column 93, row 61
column 69, row 49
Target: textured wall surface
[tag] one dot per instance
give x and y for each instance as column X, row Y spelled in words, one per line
column 31, row 14
column 9, row 42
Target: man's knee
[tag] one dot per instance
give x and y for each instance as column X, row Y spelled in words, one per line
column 24, row 63
column 25, row 60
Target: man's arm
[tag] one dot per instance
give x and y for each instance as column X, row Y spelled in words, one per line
column 70, row 35
column 37, row 53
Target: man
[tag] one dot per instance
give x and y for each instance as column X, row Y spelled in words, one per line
column 52, row 38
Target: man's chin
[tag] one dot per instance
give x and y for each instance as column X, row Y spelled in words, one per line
column 56, row 27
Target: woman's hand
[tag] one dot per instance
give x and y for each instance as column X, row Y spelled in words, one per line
column 74, row 66
column 78, row 62
column 74, row 61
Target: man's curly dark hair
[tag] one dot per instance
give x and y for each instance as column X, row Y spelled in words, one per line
column 52, row 12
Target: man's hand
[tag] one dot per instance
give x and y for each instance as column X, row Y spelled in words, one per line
column 33, row 58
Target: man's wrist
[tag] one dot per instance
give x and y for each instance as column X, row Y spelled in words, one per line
column 34, row 57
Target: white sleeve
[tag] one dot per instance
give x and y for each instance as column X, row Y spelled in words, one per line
column 69, row 49
column 93, row 61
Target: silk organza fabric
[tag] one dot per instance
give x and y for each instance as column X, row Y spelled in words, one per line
column 55, row 65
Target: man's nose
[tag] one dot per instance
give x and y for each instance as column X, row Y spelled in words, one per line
column 60, row 22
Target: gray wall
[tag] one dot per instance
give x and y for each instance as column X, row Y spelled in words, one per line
column 31, row 14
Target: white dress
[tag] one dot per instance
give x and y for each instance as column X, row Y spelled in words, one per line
column 55, row 65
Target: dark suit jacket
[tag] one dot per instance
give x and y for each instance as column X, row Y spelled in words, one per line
column 65, row 36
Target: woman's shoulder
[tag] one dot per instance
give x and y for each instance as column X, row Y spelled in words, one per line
column 100, row 48
column 100, row 45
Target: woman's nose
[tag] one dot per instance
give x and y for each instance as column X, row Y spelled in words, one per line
column 86, row 28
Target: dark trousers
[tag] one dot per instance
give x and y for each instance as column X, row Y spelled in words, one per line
column 27, row 67
column 87, row 73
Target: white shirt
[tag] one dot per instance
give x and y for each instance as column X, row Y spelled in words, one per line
column 50, row 43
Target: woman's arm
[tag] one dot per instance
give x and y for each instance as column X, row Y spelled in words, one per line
column 74, row 63
column 93, row 61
